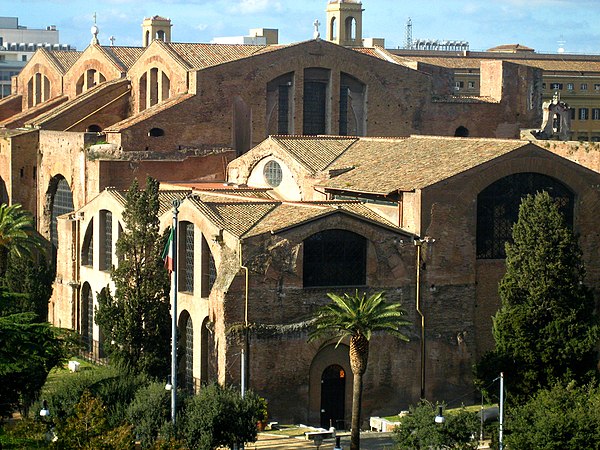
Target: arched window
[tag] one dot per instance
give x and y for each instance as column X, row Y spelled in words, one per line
column 187, row 344
column 316, row 91
column 87, row 249
column 352, row 106
column 335, row 258
column 106, row 240
column 87, row 317
column 498, row 209
column 350, row 28
column 280, row 99
column 156, row 132
column 93, row 129
column 209, row 269
column 333, row 29
column 461, row 132
column 61, row 202
column 186, row 260
column 204, row 338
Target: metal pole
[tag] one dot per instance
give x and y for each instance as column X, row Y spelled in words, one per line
column 243, row 375
column 418, row 244
column 500, row 434
column 176, row 204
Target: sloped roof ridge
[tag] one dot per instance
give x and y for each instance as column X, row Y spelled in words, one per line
column 79, row 99
column 148, row 112
column 468, row 139
column 109, row 51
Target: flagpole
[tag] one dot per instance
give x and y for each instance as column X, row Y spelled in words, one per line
column 176, row 203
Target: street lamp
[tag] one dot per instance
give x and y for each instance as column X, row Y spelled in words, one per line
column 440, row 415
column 44, row 412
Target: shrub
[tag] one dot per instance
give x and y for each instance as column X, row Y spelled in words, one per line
column 149, row 411
column 418, row 430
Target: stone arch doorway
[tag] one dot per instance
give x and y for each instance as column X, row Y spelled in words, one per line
column 333, row 396
column 325, row 390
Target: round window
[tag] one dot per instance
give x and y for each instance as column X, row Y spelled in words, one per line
column 272, row 173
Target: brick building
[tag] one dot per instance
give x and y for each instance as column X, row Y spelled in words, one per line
column 80, row 126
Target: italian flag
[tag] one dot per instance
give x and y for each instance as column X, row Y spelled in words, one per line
column 168, row 253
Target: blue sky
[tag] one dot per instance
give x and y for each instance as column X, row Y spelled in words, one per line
column 540, row 24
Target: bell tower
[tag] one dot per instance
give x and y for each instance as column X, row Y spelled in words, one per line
column 156, row 28
column 344, row 22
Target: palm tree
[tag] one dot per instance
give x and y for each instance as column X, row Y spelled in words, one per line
column 357, row 317
column 18, row 236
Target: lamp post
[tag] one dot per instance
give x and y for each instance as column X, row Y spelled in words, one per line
column 176, row 203
column 439, row 418
column 501, row 407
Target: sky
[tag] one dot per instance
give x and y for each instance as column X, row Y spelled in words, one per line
column 540, row 24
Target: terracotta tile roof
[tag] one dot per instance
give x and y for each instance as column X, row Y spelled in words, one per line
column 124, row 56
column 288, row 215
column 556, row 64
column 511, row 48
column 383, row 166
column 165, row 198
column 201, row 56
column 315, row 153
column 64, row 59
column 147, row 113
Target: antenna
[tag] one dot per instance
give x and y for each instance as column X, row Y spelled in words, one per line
column 408, row 44
column 561, row 44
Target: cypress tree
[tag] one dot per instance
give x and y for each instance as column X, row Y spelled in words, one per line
column 136, row 320
column 546, row 330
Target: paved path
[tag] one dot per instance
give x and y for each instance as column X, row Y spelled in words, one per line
column 368, row 441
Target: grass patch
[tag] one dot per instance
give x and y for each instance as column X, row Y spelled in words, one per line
column 449, row 411
column 291, row 430
column 59, row 373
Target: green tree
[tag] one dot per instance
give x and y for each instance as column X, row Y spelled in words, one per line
column 565, row 417
column 219, row 416
column 28, row 351
column 88, row 428
column 418, row 429
column 136, row 320
column 18, row 236
column 357, row 317
column 546, row 329
column 149, row 411
column 34, row 280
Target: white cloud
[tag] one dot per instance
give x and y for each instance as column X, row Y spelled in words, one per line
column 255, row 6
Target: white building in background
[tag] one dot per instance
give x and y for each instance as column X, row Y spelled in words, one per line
column 18, row 44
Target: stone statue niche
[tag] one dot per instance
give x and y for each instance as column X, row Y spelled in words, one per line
column 556, row 124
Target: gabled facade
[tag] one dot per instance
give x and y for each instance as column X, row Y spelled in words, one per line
column 258, row 258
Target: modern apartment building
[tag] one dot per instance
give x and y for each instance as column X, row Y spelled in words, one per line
column 18, row 44
column 575, row 78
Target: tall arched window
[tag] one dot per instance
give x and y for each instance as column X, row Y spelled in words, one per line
column 204, row 338
column 498, row 209
column 87, row 317
column 106, row 240
column 87, row 249
column 61, row 202
column 335, row 258
column 186, row 258
column 209, row 269
column 187, row 365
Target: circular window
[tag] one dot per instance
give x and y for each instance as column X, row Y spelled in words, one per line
column 273, row 174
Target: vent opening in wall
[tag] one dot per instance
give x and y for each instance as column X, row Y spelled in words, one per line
column 156, row 132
